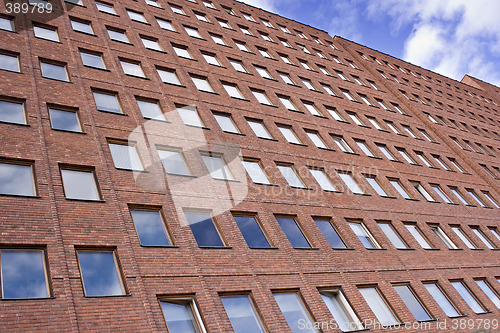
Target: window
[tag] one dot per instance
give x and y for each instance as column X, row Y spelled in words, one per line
column 379, row 306
column 365, row 99
column 442, row 299
column 208, row 4
column 492, row 200
column 82, row 26
column 226, row 123
column 425, row 135
column 406, row 156
column 202, row 84
column 238, row 66
column 364, row 235
column 323, row 180
column 201, row 17
column 118, row 35
column 263, row 72
column 12, row 112
column 192, row 32
column 259, row 129
column 468, row 296
column 267, row 24
column 54, row 71
column 248, row 17
column 286, row 78
column 351, row 183
column 80, row 184
column 167, row 25
column 265, row 37
column 316, row 139
column 285, row 43
column 364, row 147
column 285, row 59
column 308, row 84
column 64, row 120
column 291, row 176
column 443, row 237
column 474, row 195
column 135, row 16
column 409, row 131
column 418, row 186
column 459, row 195
column 242, row 46
column 423, row 159
column 324, row 70
column 107, row 102
column 415, row 231
column 9, row 62
column 341, row 310
column 284, row 29
column 182, row 51
column 330, row 233
column 150, row 109
column 312, row 108
column 132, row 68
column 211, row 59
column 387, row 153
column 168, row 76
column 342, row 144
column 16, row 179
column 375, row 123
column 218, row 39
column 354, row 117
column 92, row 59
column 6, row 24
column 372, row 180
column 150, row 227
column 348, row 95
column 105, row 8
column 289, row 134
column 153, row 3
column 413, row 302
column 441, row 193
column 254, row 169
column 264, row 53
column 242, row 314
column 125, row 156
column 151, row 43
column 252, row 231
column 181, row 315
column 232, row 90
column 23, row 274
column 204, row 229
column 334, row 113
column 399, row 187
column 299, row 320
column 100, row 273
column 177, row 10
column 463, row 237
column 173, row 162
column 287, row 102
column 374, row 86
column 261, row 97
column 46, row 33
column 489, row 291
column 217, row 167
column 477, row 231
column 293, row 232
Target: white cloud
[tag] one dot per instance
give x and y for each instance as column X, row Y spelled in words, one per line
column 269, row 5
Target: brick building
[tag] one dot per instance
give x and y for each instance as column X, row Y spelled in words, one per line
column 207, row 166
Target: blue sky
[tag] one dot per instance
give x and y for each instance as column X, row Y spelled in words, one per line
column 451, row 37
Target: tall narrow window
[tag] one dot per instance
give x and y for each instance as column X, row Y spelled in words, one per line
column 217, row 166
column 299, row 320
column 100, row 273
column 255, row 171
column 406, row 156
column 379, row 306
column 413, row 302
column 23, row 274
column 489, row 291
column 341, row 310
column 364, row 235
column 182, row 315
column 442, row 300
column 125, row 156
column 415, row 231
column 252, row 231
column 393, row 235
column 330, row 233
column 173, row 162
column 242, row 314
column 291, row 176
column 492, row 200
column 204, row 229
column 468, row 297
column 351, row 183
column 463, row 237
column 443, row 236
column 80, row 184
column 293, row 232
column 150, row 227
column 17, row 179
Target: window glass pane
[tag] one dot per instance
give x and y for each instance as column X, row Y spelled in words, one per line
column 56, row 72
column 443, row 237
column 330, row 234
column 23, row 274
column 259, row 129
column 9, row 62
column 482, row 237
column 341, row 311
column 151, row 44
column 118, row 36
column 251, row 231
column 6, row 24
column 489, row 291
column 255, row 172
column 415, row 232
column 323, row 180
column 16, row 179
column 342, row 144
column 79, row 185
column 203, row 229
column 64, row 120
column 226, row 123
column 291, row 176
column 242, row 315
column 102, row 7
column 393, row 236
column 125, row 157
column 167, row 25
column 107, row 102
column 459, row 196
column 363, row 235
column 179, row 316
column 468, row 297
column 92, row 60
column 351, row 183
column 442, row 300
column 150, row 228
column 12, row 112
column 136, row 16
column 173, row 162
column 190, row 116
column 150, row 110
column 364, row 147
column 295, row 313
column 217, row 167
column 463, row 237
column 289, row 135
column 169, row 76
column 378, row 306
column 412, row 303
column 376, row 186
column 100, row 273
column 441, row 194
column 132, row 69
column 293, row 232
column 46, row 33
column 233, row 91
column 401, row 190
column 387, row 153
column 316, row 139
column 82, row 27
column 202, row 84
